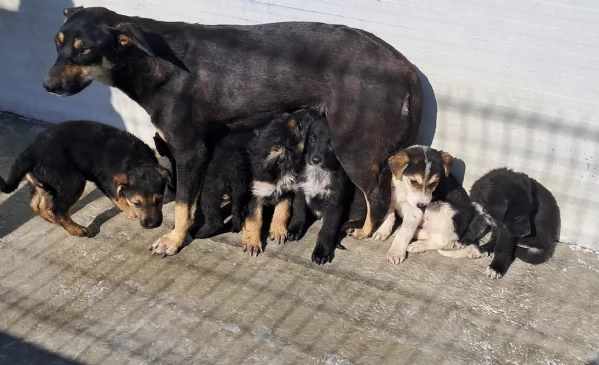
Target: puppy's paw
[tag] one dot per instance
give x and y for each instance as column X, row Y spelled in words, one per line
column 78, row 231
column 396, row 256
column 166, row 246
column 418, row 247
column 474, row 252
column 236, row 225
column 492, row 274
column 322, row 254
column 381, row 235
column 360, row 234
column 294, row 233
column 250, row 242
column 277, row 236
column 496, row 270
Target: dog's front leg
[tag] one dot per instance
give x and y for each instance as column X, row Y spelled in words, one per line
column 252, row 228
column 411, row 219
column 504, row 254
column 324, row 251
column 384, row 231
column 191, row 162
column 298, row 217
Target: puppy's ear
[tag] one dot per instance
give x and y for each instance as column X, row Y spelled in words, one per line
column 447, row 162
column 70, row 11
column 130, row 35
column 120, row 183
column 398, row 163
column 497, row 206
column 166, row 175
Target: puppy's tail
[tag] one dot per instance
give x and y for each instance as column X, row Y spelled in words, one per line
column 413, row 108
column 19, row 169
column 534, row 255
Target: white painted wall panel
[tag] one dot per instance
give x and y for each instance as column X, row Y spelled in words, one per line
column 516, row 82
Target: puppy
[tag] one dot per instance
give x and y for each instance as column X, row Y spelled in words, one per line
column 62, row 158
column 227, row 180
column 324, row 190
column 276, row 156
column 435, row 208
column 522, row 215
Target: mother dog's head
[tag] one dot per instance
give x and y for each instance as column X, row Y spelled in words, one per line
column 420, row 168
column 89, row 44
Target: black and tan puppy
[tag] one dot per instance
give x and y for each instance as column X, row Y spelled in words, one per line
column 191, row 77
column 227, row 180
column 522, row 215
column 62, row 158
column 434, row 206
column 276, row 156
column 324, row 190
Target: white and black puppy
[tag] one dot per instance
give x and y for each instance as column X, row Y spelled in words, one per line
column 435, row 208
column 324, row 190
column 522, row 215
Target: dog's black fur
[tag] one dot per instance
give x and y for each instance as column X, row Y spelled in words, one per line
column 324, row 189
column 523, row 217
column 276, row 155
column 227, row 178
column 189, row 77
column 62, row 158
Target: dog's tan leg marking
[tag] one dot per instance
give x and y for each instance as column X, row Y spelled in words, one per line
column 368, row 227
column 70, row 226
column 122, row 204
column 170, row 243
column 41, row 203
column 386, row 227
column 421, row 234
column 470, row 251
column 412, row 217
column 252, row 227
column 280, row 218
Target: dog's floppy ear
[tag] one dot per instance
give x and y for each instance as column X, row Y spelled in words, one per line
column 70, row 11
column 447, row 162
column 497, row 206
column 398, row 163
column 130, row 35
column 120, row 182
column 166, row 175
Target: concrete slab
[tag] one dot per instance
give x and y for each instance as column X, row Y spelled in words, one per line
column 106, row 300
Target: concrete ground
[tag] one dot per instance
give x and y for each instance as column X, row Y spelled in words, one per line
column 106, row 300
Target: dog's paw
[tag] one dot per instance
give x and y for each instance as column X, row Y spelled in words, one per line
column 496, row 270
column 474, row 252
column 236, row 225
column 277, row 235
column 381, row 235
column 250, row 242
column 360, row 234
column 166, row 246
column 294, row 233
column 322, row 254
column 396, row 256
column 78, row 231
column 492, row 274
column 418, row 247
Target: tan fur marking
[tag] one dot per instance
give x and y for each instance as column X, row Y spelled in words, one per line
column 71, row 227
column 275, row 152
column 300, row 146
column 120, row 180
column 398, row 164
column 41, row 203
column 124, row 40
column 292, row 123
column 278, row 226
column 60, row 38
column 368, row 227
column 252, row 227
column 78, row 43
column 447, row 162
column 33, row 181
column 123, row 205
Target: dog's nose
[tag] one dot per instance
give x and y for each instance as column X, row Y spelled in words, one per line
column 150, row 224
column 421, row 206
column 51, row 86
column 316, row 160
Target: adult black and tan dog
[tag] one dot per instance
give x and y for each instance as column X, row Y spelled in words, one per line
column 191, row 76
column 324, row 190
column 62, row 158
column 522, row 215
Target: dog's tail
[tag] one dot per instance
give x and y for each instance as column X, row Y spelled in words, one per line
column 19, row 169
column 534, row 255
column 413, row 108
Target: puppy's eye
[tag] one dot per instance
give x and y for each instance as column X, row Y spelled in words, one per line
column 414, row 182
column 158, row 200
column 85, row 50
column 432, row 185
column 137, row 205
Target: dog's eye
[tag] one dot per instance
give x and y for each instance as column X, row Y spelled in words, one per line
column 85, row 50
column 414, row 182
column 432, row 185
column 137, row 205
column 158, row 200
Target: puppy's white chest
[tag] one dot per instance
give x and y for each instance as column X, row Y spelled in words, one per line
column 315, row 182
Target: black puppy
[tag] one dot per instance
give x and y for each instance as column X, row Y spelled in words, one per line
column 276, row 156
column 227, row 179
column 523, row 217
column 324, row 189
column 62, row 158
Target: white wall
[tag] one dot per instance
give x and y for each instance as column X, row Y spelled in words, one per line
column 515, row 81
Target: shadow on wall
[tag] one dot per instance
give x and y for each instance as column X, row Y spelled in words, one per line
column 27, row 51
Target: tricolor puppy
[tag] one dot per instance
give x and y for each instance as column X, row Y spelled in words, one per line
column 434, row 207
column 276, row 156
column 62, row 158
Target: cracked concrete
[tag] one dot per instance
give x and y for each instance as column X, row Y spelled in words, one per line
column 106, row 300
